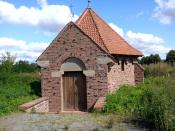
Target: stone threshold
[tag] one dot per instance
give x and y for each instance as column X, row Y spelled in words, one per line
column 73, row 112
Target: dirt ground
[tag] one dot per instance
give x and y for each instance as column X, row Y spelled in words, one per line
column 64, row 122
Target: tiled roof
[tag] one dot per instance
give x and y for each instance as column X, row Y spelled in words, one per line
column 103, row 35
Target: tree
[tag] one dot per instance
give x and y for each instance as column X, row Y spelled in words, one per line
column 25, row 67
column 157, row 58
column 6, row 62
column 170, row 57
column 150, row 59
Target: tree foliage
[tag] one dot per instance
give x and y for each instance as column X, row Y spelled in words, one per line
column 7, row 61
column 8, row 65
column 25, row 66
column 150, row 59
column 171, row 56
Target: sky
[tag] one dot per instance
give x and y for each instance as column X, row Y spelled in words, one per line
column 27, row 27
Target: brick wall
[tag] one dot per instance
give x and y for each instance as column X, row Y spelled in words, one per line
column 117, row 77
column 139, row 73
column 73, row 43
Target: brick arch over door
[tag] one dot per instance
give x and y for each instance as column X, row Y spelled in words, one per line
column 73, row 64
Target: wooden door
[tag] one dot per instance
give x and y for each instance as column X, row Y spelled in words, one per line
column 74, row 91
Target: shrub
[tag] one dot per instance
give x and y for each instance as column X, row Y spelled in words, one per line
column 123, row 101
column 153, row 102
column 15, row 89
column 158, row 103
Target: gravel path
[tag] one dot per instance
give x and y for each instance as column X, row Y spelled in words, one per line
column 60, row 122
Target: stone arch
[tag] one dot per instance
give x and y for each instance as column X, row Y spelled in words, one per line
column 73, row 64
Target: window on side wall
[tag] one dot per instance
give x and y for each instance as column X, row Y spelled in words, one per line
column 123, row 65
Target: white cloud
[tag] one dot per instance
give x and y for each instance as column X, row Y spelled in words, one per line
column 117, row 29
column 165, row 11
column 147, row 43
column 50, row 18
column 23, row 50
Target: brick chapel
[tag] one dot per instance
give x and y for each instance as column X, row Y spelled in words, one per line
column 86, row 61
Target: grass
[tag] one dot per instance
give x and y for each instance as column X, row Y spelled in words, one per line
column 16, row 89
column 152, row 102
column 159, row 69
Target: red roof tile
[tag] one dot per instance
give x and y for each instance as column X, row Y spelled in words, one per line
column 103, row 35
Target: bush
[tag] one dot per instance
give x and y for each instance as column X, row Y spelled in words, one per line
column 16, row 89
column 123, row 101
column 153, row 102
column 158, row 103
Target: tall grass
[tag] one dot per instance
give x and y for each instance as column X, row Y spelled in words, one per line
column 16, row 89
column 153, row 102
column 159, row 69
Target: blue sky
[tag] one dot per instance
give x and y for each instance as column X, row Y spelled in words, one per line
column 28, row 26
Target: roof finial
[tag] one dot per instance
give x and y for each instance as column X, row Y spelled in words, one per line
column 72, row 13
column 89, row 3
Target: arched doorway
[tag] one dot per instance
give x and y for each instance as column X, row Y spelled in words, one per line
column 74, row 85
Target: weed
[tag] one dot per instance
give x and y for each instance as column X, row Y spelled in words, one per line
column 109, row 123
column 96, row 129
column 66, row 127
column 33, row 110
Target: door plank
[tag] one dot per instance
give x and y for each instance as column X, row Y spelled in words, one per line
column 74, row 91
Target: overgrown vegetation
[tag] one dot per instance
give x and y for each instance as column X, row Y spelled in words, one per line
column 159, row 69
column 16, row 89
column 19, row 83
column 152, row 102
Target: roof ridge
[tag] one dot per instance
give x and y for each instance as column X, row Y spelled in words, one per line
column 98, row 30
column 78, row 20
column 114, row 31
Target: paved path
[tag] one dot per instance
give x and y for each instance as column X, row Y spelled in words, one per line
column 61, row 122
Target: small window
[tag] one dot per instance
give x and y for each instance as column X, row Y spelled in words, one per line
column 123, row 65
